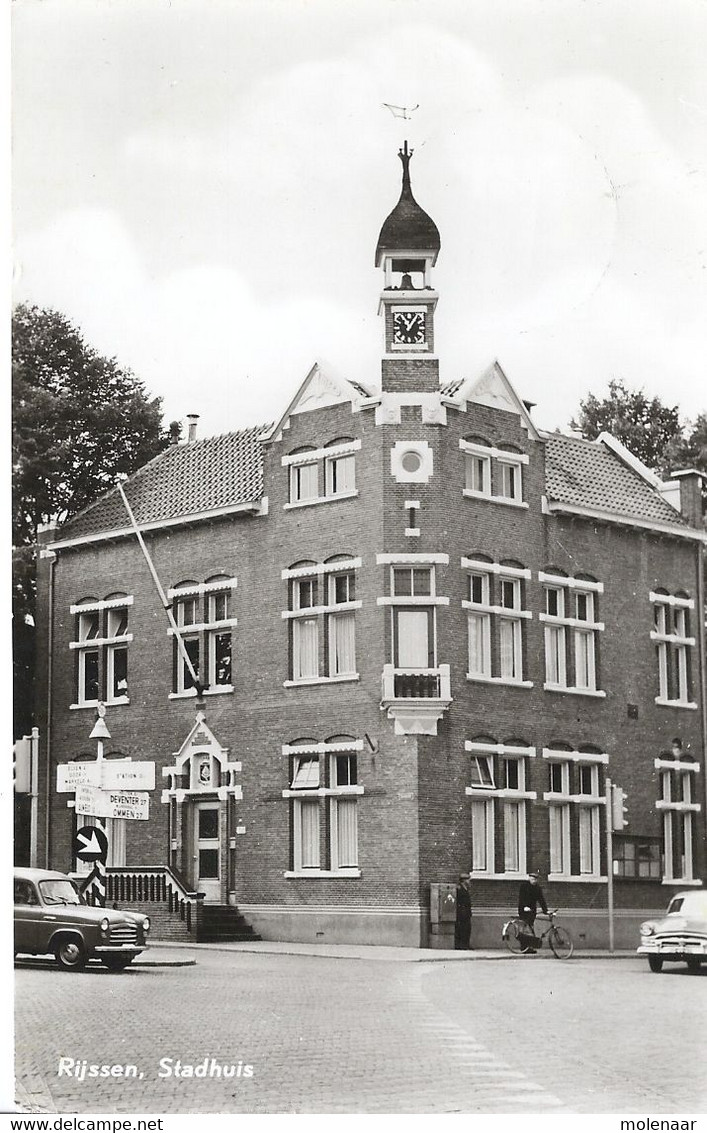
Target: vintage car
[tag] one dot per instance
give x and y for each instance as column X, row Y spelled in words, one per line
column 680, row 935
column 51, row 917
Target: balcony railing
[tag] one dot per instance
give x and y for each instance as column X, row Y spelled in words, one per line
column 416, row 698
column 416, row 684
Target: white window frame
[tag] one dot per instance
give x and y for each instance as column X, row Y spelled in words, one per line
column 490, row 617
column 91, row 616
column 672, row 639
column 320, row 580
column 323, row 460
column 500, row 485
column 326, row 799
column 483, row 841
column 564, row 805
column 199, row 601
column 581, row 633
column 678, row 813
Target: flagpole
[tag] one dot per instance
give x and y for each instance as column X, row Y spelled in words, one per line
column 166, row 604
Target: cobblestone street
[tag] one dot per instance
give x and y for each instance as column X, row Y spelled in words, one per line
column 355, row 1035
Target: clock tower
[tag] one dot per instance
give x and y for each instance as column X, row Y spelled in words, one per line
column 407, row 251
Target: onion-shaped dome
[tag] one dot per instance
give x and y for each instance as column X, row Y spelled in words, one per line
column 408, row 227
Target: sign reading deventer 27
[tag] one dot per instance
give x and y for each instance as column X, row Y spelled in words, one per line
column 133, row 805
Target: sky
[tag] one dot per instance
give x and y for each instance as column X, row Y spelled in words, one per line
column 199, row 185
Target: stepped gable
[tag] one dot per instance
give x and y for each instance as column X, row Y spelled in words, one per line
column 185, row 480
column 588, row 474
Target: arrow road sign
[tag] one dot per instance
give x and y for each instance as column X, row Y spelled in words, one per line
column 90, row 844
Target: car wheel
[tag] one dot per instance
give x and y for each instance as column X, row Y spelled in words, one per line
column 117, row 963
column 70, row 954
column 693, row 963
column 655, row 963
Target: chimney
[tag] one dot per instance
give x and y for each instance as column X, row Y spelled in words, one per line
column 192, row 418
column 690, row 482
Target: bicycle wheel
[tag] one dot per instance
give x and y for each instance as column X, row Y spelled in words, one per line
column 560, row 942
column 512, row 935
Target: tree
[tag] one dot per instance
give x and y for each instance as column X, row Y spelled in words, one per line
column 79, row 421
column 646, row 426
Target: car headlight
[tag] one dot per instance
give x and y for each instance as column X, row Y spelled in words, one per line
column 647, row 928
column 105, row 925
column 146, row 924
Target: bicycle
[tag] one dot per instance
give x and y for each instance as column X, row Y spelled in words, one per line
column 519, row 937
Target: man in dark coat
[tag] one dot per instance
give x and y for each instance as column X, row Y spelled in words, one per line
column 530, row 895
column 462, row 926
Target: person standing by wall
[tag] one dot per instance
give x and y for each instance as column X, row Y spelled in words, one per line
column 462, row 926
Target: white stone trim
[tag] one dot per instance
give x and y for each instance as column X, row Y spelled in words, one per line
column 572, row 582
column 321, row 748
column 573, row 623
column 555, row 755
column 412, row 558
column 676, row 765
column 319, row 873
column 573, row 691
column 559, row 798
column 200, row 627
column 315, row 611
column 495, row 568
column 499, row 793
column 481, row 679
column 590, row 878
column 505, row 455
column 671, row 638
column 412, row 532
column 666, row 804
column 347, row 448
column 412, row 503
column 412, row 600
column 96, row 641
column 671, row 600
column 321, row 500
column 498, row 749
column 202, row 588
column 106, row 604
column 661, row 700
column 472, row 494
column 502, row 611
column 322, row 568
column 305, row 682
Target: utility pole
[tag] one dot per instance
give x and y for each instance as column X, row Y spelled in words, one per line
column 610, row 863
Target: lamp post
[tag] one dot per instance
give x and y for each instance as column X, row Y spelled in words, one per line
column 99, row 733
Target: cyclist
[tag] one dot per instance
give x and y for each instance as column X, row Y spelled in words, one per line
column 530, row 895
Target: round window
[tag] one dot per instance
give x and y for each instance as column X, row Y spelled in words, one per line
column 411, row 461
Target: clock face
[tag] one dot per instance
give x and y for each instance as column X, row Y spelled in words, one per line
column 409, row 327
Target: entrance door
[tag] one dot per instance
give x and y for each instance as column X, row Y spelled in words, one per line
column 207, row 851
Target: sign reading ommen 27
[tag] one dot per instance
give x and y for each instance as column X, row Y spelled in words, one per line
column 112, row 804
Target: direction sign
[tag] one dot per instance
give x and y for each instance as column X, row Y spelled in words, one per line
column 110, row 774
column 133, row 805
column 69, row 776
column 127, row 776
column 90, row 844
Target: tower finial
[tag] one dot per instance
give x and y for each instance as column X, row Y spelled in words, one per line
column 405, row 154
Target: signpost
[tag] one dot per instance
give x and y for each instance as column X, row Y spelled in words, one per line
column 108, row 788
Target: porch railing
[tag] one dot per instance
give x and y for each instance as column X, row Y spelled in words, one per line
column 156, row 885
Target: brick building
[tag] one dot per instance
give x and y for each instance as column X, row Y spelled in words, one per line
column 424, row 632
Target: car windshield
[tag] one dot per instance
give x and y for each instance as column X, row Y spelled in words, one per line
column 59, row 891
column 690, row 905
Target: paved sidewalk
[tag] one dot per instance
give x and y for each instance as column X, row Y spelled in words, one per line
column 365, row 952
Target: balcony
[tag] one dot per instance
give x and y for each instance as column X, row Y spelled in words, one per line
column 416, row 698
